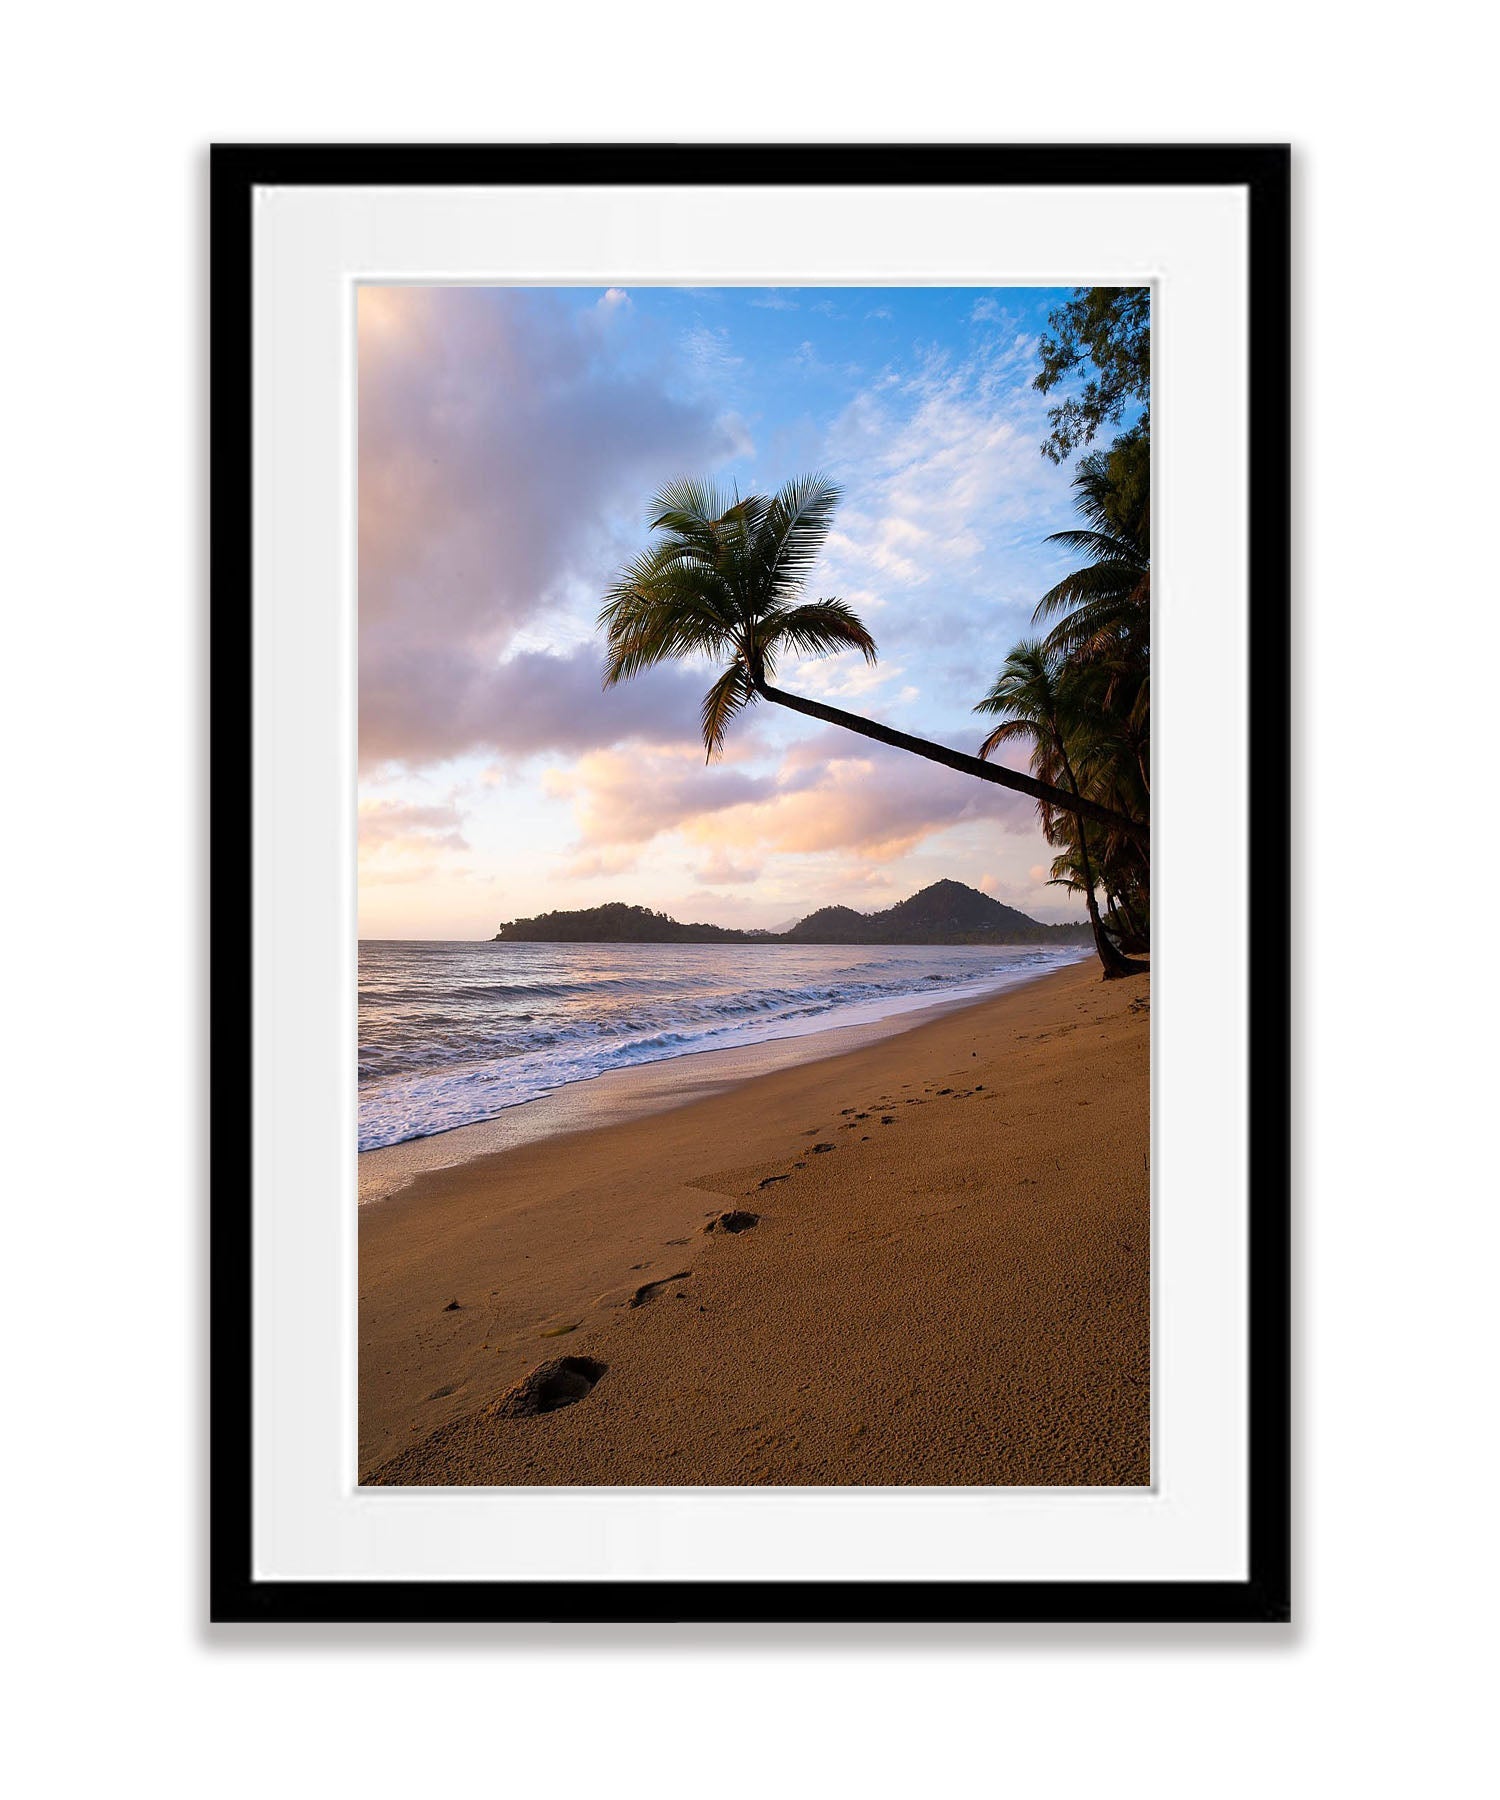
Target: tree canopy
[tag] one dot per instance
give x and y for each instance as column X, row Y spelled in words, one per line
column 1105, row 335
column 724, row 580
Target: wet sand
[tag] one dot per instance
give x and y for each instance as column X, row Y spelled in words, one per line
column 624, row 1094
column 946, row 1282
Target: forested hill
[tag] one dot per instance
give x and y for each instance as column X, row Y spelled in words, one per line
column 948, row 912
column 616, row 923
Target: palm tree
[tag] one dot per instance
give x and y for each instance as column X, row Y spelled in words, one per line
column 1030, row 695
column 725, row 580
column 1107, row 602
column 1105, row 606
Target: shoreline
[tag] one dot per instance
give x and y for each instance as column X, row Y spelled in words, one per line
column 947, row 1281
column 617, row 1095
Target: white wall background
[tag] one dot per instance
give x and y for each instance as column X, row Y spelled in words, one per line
column 1377, row 1689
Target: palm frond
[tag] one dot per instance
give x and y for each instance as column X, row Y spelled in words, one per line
column 747, row 515
column 1008, row 733
column 818, row 627
column 689, row 512
column 653, row 613
column 793, row 532
column 728, row 695
column 686, row 504
column 1104, row 546
column 1025, row 695
column 1107, row 581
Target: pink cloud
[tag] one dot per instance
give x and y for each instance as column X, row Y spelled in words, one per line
column 833, row 793
column 398, row 824
column 720, row 871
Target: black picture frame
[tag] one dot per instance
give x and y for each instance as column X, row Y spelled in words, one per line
column 1263, row 172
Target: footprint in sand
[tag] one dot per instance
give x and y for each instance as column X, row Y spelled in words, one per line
column 733, row 1222
column 772, row 1178
column 548, row 1388
column 623, row 1298
column 648, row 1290
column 821, row 1149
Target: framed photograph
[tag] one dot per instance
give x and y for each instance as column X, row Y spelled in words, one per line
column 749, row 1082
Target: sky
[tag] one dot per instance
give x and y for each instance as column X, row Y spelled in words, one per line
column 510, row 440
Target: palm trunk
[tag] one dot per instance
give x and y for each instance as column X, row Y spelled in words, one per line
column 1115, row 962
column 955, row 759
column 1132, row 939
column 1133, row 923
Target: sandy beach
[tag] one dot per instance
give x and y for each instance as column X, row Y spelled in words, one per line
column 946, row 1282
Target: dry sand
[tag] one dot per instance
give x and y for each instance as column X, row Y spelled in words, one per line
column 956, row 1291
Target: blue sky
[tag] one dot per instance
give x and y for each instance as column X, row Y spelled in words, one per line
column 510, row 440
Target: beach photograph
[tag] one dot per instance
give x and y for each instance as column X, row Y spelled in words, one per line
column 635, row 1232
column 754, row 999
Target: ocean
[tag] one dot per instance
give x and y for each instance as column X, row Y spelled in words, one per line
column 454, row 1033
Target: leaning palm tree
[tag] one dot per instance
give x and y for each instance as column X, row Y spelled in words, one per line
column 1029, row 695
column 725, row 580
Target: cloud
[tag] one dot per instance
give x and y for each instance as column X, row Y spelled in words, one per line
column 937, row 489
column 832, row 792
column 775, row 301
column 631, row 797
column 949, row 445
column 504, row 457
column 840, row 679
column 596, row 864
column 406, row 841
column 806, row 360
column 887, row 545
column 877, row 807
column 436, row 703
column 946, row 505
column 384, row 823
column 719, row 872
column 708, row 352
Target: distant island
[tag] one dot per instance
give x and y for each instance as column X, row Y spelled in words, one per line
column 948, row 912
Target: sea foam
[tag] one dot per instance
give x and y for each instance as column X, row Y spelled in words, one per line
column 452, row 1034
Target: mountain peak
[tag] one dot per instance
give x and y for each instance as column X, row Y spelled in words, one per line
column 944, row 912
